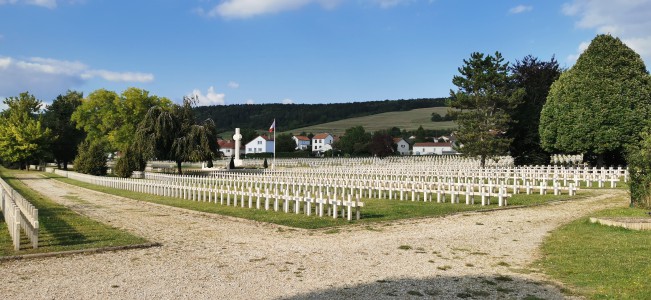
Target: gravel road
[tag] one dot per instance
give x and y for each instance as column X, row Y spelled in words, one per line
column 480, row 255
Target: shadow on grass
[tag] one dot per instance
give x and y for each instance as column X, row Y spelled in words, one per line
column 443, row 287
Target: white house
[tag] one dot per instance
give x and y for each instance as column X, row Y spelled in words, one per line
column 228, row 148
column 261, row 144
column 302, row 142
column 401, row 146
column 433, row 148
column 322, row 142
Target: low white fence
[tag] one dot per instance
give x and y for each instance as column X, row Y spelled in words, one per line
column 19, row 214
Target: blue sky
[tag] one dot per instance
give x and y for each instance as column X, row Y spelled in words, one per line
column 290, row 51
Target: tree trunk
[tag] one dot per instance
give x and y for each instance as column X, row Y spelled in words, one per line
column 65, row 165
column 600, row 160
column 178, row 167
column 483, row 161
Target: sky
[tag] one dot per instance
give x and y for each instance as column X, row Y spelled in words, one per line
column 290, row 51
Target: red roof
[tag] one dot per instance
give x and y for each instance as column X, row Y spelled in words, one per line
column 321, row 136
column 267, row 138
column 302, row 138
column 224, row 144
column 396, row 140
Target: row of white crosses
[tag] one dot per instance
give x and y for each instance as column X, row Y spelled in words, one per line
column 334, row 184
column 195, row 189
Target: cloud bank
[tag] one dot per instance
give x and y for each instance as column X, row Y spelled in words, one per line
column 51, row 4
column 47, row 76
column 629, row 20
column 242, row 9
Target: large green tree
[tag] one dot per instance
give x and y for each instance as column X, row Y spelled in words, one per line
column 67, row 137
column 105, row 114
column 23, row 138
column 600, row 105
column 536, row 77
column 285, row 143
column 172, row 134
column 485, row 95
column 354, row 141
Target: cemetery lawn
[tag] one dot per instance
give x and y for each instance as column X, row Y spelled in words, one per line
column 600, row 262
column 374, row 210
column 61, row 229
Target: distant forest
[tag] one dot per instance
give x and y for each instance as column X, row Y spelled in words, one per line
column 291, row 116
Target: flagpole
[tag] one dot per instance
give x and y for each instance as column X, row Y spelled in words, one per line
column 273, row 165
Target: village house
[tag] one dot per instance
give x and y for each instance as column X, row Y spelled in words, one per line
column 302, row 142
column 227, row 147
column 261, row 144
column 322, row 142
column 430, row 148
column 402, row 146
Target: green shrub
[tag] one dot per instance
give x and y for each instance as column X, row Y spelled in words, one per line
column 639, row 167
column 91, row 158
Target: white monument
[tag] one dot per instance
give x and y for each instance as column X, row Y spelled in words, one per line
column 238, row 143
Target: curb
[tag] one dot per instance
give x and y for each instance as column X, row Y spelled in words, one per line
column 81, row 251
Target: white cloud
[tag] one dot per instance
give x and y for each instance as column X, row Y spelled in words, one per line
column 520, row 9
column 629, row 20
column 43, row 3
column 573, row 57
column 242, row 9
column 47, row 76
column 390, row 3
column 210, row 98
column 233, row 85
column 119, row 77
column 249, row 101
column 288, row 101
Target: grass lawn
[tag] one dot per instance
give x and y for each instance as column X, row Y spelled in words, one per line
column 374, row 210
column 61, row 229
column 598, row 261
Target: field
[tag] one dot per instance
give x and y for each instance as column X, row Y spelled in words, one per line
column 409, row 120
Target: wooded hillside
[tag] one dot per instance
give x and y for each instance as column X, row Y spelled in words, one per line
column 291, row 116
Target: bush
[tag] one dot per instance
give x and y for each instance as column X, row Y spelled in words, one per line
column 639, row 167
column 125, row 165
column 91, row 158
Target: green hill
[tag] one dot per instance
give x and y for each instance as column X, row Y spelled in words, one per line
column 409, row 120
column 293, row 116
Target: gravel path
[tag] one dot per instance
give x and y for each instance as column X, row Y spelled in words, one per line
column 480, row 255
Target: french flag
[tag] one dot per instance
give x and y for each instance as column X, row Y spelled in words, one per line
column 273, row 126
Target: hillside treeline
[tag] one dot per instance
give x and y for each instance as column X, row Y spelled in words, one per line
column 291, row 116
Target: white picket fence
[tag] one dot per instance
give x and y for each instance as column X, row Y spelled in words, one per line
column 19, row 214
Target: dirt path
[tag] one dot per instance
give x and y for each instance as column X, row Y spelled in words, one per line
column 209, row 256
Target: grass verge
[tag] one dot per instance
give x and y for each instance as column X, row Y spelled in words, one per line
column 374, row 210
column 598, row 261
column 61, row 229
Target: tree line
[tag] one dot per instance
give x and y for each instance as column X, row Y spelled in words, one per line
column 135, row 124
column 294, row 116
column 600, row 107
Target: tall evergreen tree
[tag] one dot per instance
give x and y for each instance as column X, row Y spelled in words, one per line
column 67, row 137
column 600, row 105
column 536, row 77
column 485, row 95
